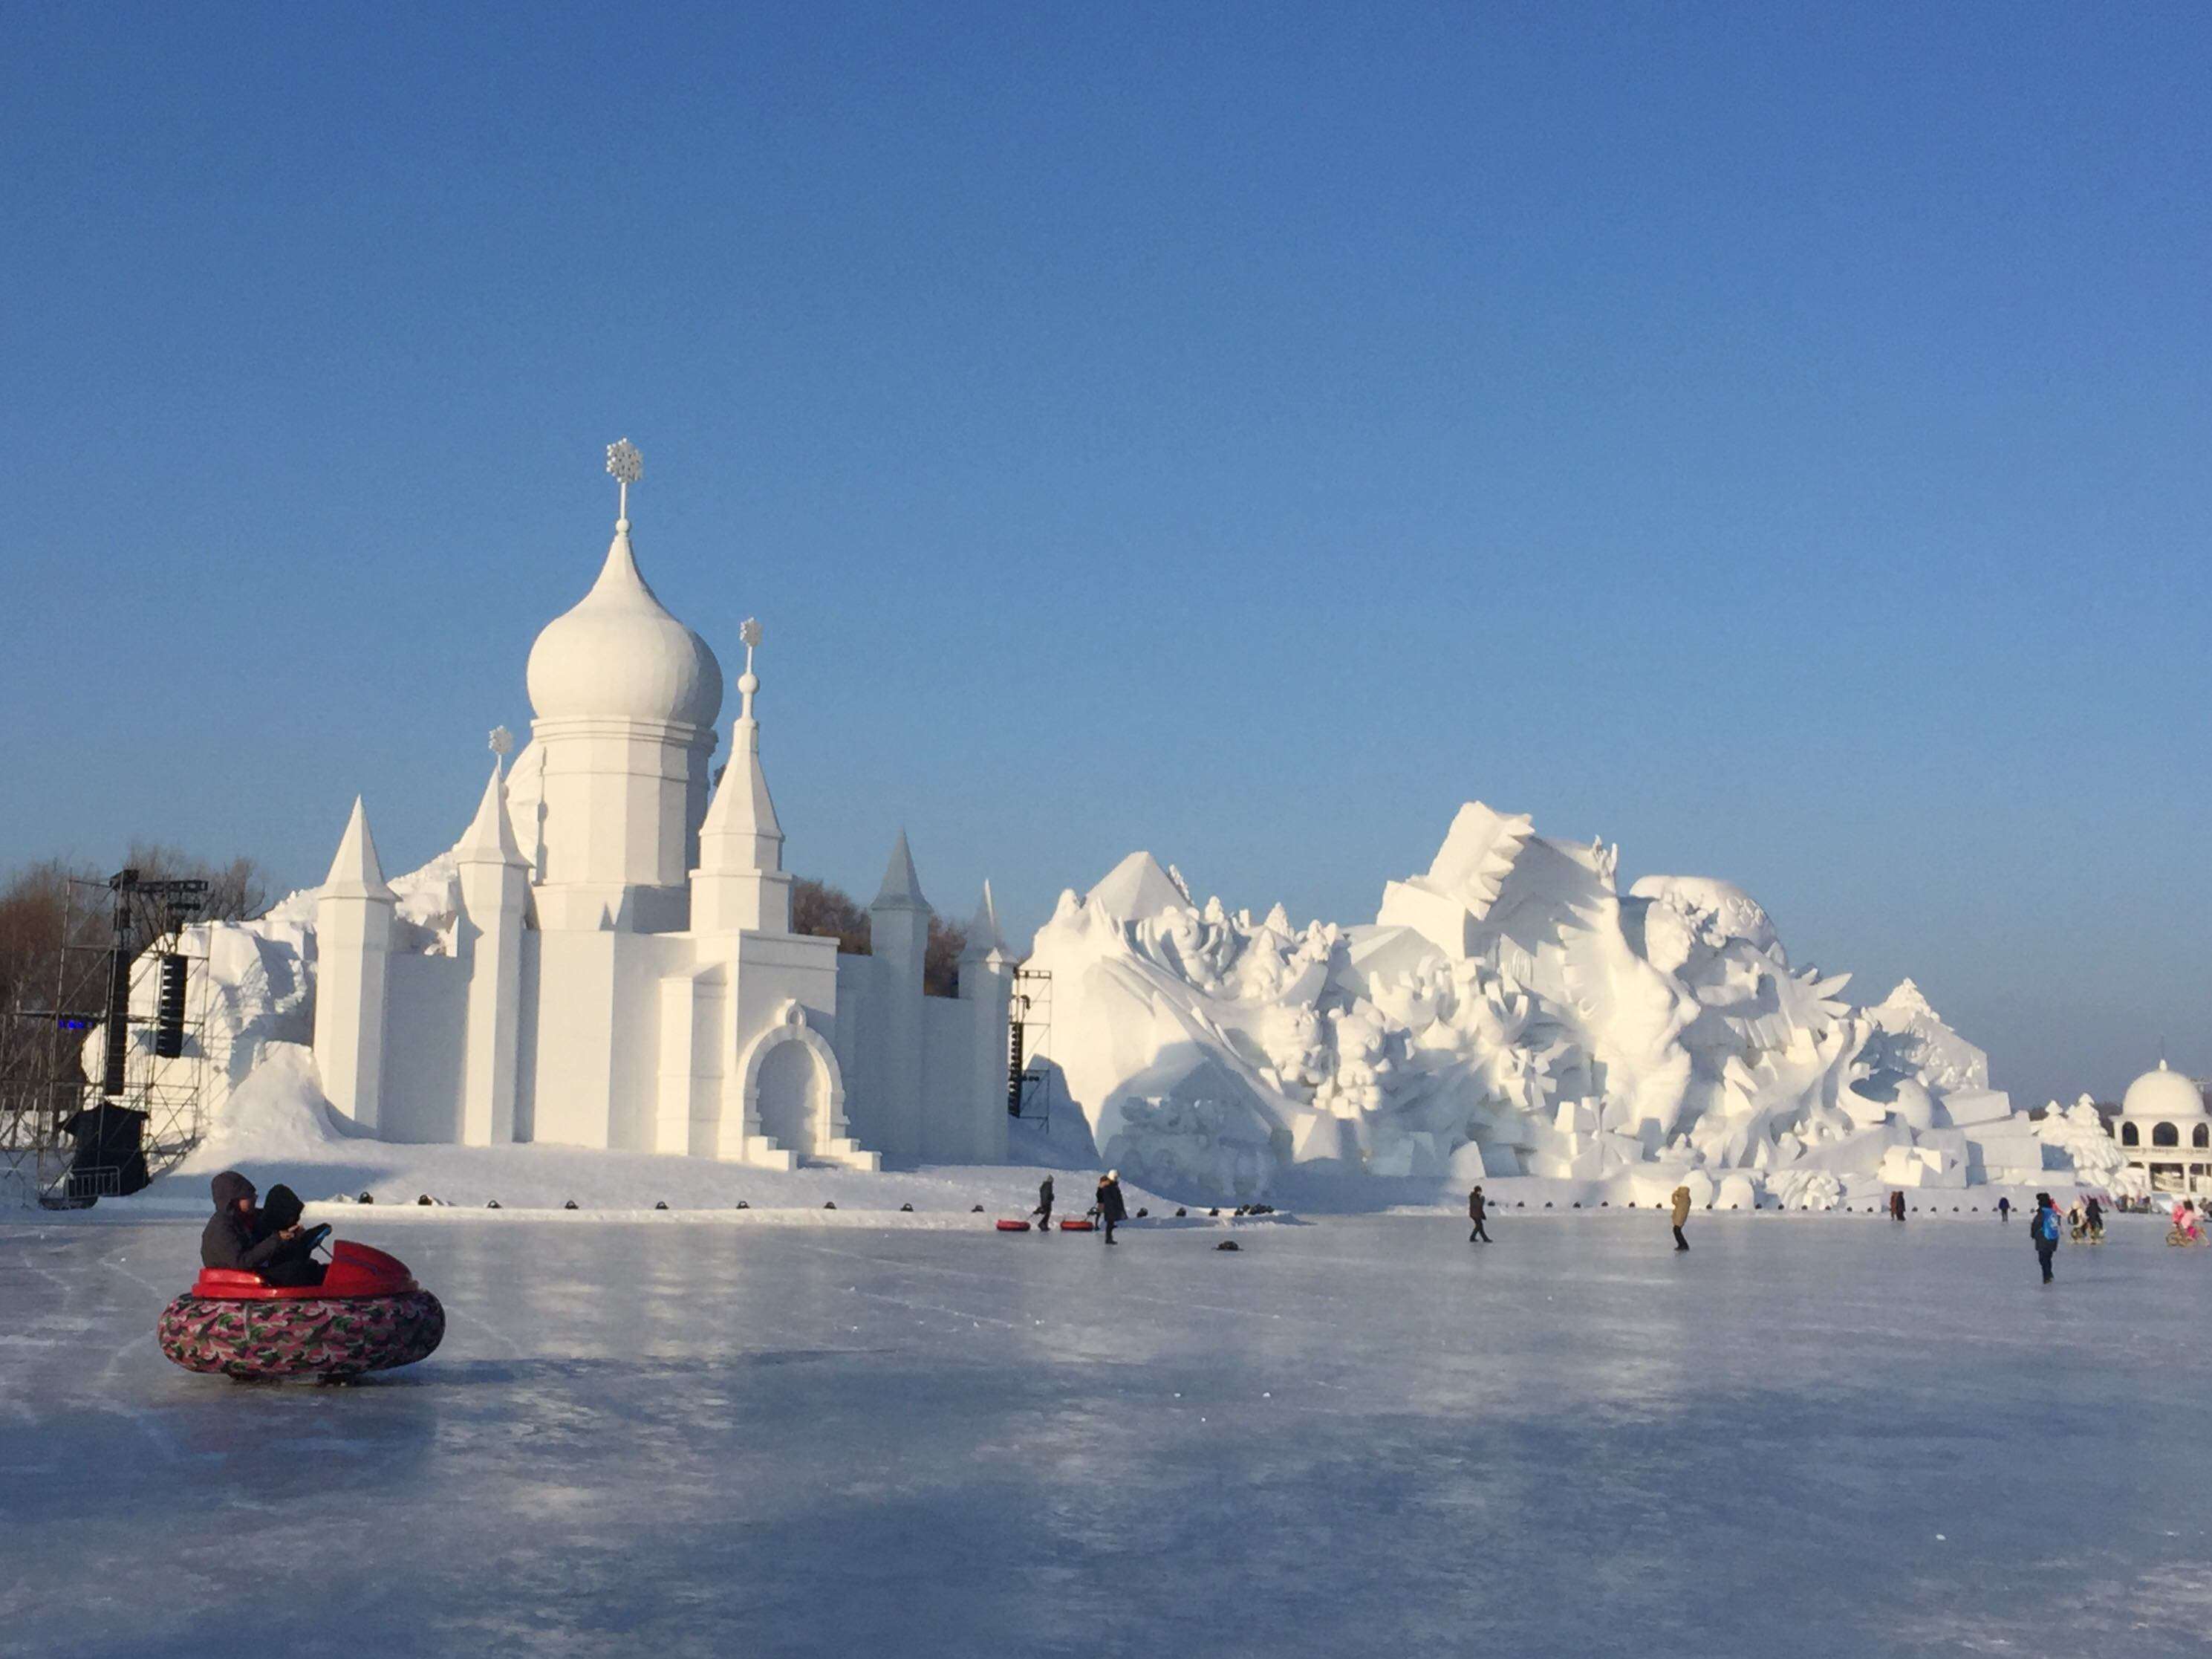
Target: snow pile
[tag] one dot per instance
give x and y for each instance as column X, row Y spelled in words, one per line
column 2078, row 1133
column 1510, row 1012
column 275, row 1115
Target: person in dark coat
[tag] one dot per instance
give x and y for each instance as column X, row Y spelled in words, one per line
column 1896, row 1207
column 2004, row 1209
column 2043, row 1231
column 2096, row 1214
column 1110, row 1207
column 294, row 1262
column 1043, row 1211
column 233, row 1237
column 111, row 1152
column 1476, row 1207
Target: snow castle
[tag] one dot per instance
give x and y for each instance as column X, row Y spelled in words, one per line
column 606, row 958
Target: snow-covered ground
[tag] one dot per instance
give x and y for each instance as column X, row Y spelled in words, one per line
column 1811, row 1435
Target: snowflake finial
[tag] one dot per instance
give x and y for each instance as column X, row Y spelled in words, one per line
column 627, row 466
column 748, row 683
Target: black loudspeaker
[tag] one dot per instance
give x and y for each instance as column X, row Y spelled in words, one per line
column 117, row 1047
column 169, row 1009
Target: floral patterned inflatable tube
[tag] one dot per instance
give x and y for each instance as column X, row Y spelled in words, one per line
column 368, row 1315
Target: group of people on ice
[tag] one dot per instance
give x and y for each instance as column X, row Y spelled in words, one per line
column 1108, row 1207
column 2084, row 1222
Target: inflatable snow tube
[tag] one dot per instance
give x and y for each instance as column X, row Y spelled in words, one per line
column 1014, row 1226
column 368, row 1315
column 1078, row 1225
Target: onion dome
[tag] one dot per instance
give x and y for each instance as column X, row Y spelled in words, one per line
column 620, row 655
column 2164, row 1094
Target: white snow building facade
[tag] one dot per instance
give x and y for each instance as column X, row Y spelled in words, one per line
column 607, row 958
column 2164, row 1131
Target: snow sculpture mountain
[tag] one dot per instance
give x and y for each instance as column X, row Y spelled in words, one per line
column 1510, row 1012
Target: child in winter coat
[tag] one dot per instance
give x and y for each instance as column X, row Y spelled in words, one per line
column 2043, row 1232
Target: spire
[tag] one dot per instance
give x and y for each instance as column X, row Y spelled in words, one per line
column 984, row 939
column 354, row 872
column 901, row 889
column 489, row 838
column 741, row 831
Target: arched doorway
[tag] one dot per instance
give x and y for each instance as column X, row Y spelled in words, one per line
column 792, row 1100
column 791, row 1093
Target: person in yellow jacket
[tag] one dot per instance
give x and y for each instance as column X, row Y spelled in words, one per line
column 1681, row 1215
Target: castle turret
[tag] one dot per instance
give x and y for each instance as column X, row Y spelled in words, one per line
column 739, row 885
column 495, row 899
column 898, row 935
column 353, row 947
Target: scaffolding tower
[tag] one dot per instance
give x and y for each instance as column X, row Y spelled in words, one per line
column 1029, row 1031
column 69, row 1137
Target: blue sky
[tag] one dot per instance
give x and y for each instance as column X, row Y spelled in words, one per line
column 1782, row 445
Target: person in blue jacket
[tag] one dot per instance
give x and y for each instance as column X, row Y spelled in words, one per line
column 2043, row 1230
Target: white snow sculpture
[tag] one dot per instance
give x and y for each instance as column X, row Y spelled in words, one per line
column 605, row 959
column 1508, row 1013
column 2079, row 1132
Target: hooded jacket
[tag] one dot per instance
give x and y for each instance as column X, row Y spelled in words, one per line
column 1110, row 1200
column 1681, row 1197
column 228, row 1240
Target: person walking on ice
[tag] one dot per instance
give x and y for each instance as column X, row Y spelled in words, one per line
column 1681, row 1201
column 2043, row 1231
column 1043, row 1211
column 2004, row 1210
column 1110, row 1207
column 1475, row 1208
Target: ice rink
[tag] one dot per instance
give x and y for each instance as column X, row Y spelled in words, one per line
column 1808, row 1436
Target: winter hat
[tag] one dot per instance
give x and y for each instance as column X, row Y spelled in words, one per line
column 1113, row 1175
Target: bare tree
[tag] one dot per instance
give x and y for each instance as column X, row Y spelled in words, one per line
column 940, row 962
column 40, row 919
column 828, row 912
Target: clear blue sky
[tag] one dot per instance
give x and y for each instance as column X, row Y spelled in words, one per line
column 1780, row 444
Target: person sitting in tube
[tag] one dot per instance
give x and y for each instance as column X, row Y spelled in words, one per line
column 268, row 1240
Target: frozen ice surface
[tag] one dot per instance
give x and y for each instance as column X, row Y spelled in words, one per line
column 1809, row 1435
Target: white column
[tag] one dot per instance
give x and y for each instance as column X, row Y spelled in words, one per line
column 898, row 928
column 495, row 895
column 353, row 947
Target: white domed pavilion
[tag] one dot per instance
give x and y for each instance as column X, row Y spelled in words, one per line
column 2164, row 1130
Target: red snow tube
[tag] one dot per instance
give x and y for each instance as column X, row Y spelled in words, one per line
column 1014, row 1226
column 1076, row 1224
column 368, row 1315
